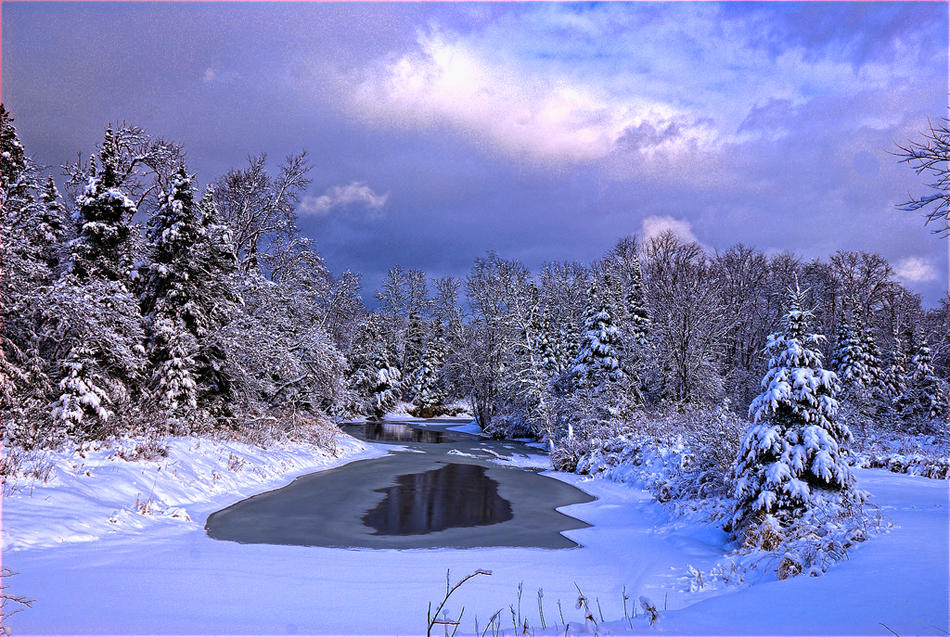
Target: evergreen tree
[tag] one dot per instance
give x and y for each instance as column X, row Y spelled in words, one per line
column 83, row 401
column 216, row 293
column 425, row 391
column 51, row 224
column 373, row 377
column 414, row 353
column 636, row 306
column 100, row 249
column 850, row 359
column 549, row 348
column 24, row 281
column 598, row 358
column 171, row 299
column 872, row 359
column 896, row 370
column 13, row 160
column 924, row 398
column 793, row 447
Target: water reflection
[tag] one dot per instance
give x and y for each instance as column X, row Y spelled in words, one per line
column 399, row 432
column 451, row 496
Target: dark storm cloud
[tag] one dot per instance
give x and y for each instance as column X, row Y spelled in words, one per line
column 541, row 131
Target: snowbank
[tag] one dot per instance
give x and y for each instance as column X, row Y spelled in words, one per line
column 132, row 485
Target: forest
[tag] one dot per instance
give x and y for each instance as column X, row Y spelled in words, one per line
column 136, row 303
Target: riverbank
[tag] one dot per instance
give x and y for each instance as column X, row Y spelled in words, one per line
column 133, row 485
column 170, row 577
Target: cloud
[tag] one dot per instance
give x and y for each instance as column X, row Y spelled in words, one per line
column 915, row 270
column 655, row 225
column 529, row 112
column 354, row 193
column 209, row 75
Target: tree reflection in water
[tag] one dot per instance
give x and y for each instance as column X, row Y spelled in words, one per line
column 452, row 496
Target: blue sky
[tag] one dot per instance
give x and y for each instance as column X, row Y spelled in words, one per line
column 542, row 131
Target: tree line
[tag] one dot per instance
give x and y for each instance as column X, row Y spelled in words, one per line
column 137, row 302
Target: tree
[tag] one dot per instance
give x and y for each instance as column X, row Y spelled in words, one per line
column 82, row 399
column 637, row 310
column 850, row 360
column 414, row 353
column 373, row 377
column 51, row 224
column 924, row 399
column 100, row 249
column 599, row 357
column 260, row 207
column 426, row 395
column 930, row 155
column 688, row 323
column 171, row 302
column 793, row 446
column 24, row 279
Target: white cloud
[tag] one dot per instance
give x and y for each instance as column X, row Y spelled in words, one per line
column 655, row 225
column 915, row 270
column 537, row 114
column 356, row 192
column 209, row 75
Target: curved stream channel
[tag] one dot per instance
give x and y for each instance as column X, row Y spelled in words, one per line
column 436, row 488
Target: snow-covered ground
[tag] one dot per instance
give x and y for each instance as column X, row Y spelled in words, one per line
column 162, row 574
column 124, row 487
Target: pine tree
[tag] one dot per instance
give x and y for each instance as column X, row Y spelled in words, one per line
column 636, row 306
column 872, row 359
column 170, row 299
column 850, row 359
column 598, row 357
column 51, row 224
column 793, row 447
column 414, row 353
column 425, row 391
column 216, row 292
column 100, row 249
column 13, row 160
column 924, row 398
column 24, row 280
column 373, row 377
column 83, row 401
column 896, row 370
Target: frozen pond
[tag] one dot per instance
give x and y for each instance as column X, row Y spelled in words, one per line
column 437, row 488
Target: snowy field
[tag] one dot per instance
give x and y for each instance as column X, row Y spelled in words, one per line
column 160, row 573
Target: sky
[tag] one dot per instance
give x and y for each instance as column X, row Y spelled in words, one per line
column 541, row 131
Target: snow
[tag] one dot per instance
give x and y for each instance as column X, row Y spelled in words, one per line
column 161, row 574
column 95, row 493
column 470, row 427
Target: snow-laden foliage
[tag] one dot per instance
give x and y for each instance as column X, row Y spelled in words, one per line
column 598, row 359
column 794, row 446
column 94, row 332
column 236, row 318
column 82, row 400
column 636, row 306
column 427, row 393
column 104, row 212
column 924, row 399
column 373, row 378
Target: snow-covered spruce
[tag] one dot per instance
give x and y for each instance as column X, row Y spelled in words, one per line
column 924, row 399
column 598, row 359
column 185, row 299
column 374, row 380
column 792, row 451
column 101, row 247
column 426, row 393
